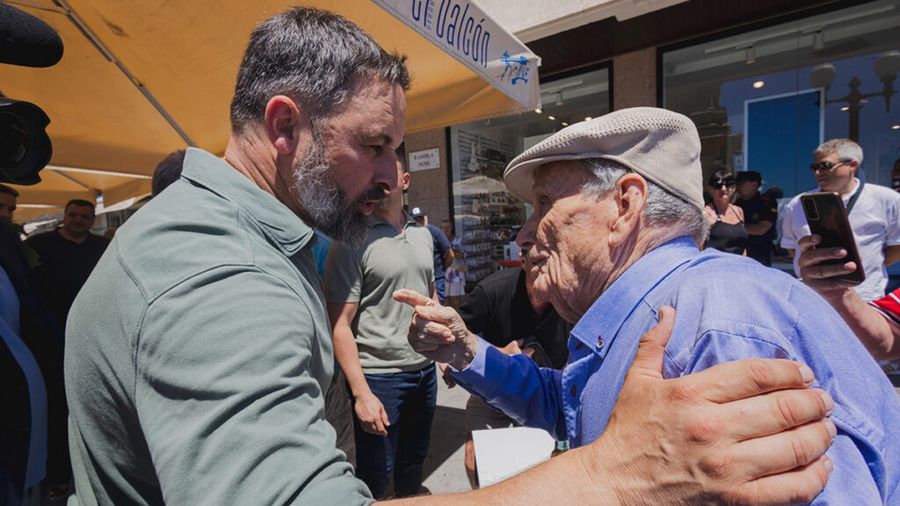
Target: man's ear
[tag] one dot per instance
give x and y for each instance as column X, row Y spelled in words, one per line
column 631, row 196
column 284, row 123
column 404, row 181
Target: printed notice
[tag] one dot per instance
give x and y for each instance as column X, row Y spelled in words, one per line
column 425, row 160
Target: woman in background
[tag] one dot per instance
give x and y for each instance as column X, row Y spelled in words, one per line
column 726, row 232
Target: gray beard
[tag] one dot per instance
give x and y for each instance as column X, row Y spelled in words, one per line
column 321, row 198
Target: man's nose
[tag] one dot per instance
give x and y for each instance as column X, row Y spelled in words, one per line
column 386, row 170
column 526, row 236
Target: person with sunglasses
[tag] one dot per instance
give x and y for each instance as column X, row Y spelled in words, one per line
column 726, row 220
column 873, row 211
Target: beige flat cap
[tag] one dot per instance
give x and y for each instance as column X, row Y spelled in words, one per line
column 663, row 146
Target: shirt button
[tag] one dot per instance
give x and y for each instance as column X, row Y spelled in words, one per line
column 573, row 390
column 599, row 342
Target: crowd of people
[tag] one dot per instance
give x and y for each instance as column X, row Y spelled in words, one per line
column 271, row 327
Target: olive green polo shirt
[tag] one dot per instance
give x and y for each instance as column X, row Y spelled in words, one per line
column 198, row 353
column 388, row 260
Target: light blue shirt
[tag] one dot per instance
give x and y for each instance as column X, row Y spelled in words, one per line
column 728, row 308
column 37, row 392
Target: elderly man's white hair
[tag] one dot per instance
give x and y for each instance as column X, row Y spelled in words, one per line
column 663, row 210
column 845, row 149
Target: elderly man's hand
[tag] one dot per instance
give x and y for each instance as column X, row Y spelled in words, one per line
column 438, row 332
column 745, row 432
column 820, row 276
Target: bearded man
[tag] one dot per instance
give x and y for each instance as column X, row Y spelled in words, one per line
column 199, row 349
column 618, row 215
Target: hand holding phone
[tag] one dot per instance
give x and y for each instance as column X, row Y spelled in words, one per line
column 827, row 218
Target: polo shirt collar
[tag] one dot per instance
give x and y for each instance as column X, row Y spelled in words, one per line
column 374, row 221
column 615, row 305
column 278, row 223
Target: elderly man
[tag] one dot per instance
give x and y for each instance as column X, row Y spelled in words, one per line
column 199, row 349
column 873, row 211
column 613, row 238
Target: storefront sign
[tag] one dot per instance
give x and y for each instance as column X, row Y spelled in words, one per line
column 425, row 159
column 464, row 30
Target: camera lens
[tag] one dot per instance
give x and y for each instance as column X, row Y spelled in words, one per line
column 13, row 140
column 812, row 212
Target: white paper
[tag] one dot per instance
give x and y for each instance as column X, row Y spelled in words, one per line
column 503, row 453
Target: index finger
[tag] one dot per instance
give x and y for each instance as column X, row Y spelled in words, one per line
column 412, row 297
column 740, row 379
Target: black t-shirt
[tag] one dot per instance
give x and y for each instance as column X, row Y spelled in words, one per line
column 64, row 267
column 759, row 208
column 499, row 311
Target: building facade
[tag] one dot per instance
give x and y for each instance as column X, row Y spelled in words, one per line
column 764, row 81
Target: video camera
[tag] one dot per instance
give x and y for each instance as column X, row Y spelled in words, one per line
column 25, row 148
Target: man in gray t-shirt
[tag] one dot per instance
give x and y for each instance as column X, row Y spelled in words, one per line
column 394, row 388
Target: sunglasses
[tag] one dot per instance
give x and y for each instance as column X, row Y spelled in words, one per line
column 827, row 166
column 727, row 183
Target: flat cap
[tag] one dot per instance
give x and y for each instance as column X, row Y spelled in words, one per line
column 663, row 146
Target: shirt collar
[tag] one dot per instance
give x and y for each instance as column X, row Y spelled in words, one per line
column 602, row 321
column 374, row 221
column 278, row 223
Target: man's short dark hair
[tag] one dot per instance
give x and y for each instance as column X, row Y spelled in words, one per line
column 80, row 203
column 167, row 171
column 8, row 190
column 314, row 57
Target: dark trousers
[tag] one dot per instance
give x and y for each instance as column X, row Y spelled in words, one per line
column 409, row 399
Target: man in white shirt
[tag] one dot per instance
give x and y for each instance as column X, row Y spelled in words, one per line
column 874, row 213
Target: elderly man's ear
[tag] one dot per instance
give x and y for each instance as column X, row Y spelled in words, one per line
column 631, row 196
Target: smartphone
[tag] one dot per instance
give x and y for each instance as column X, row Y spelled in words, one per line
column 827, row 218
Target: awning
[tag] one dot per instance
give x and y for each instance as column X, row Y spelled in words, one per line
column 141, row 79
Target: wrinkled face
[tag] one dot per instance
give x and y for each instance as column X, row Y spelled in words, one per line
column 839, row 178
column 7, row 207
column 566, row 237
column 78, row 220
column 351, row 163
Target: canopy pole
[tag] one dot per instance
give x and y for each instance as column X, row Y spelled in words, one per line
column 79, row 183
column 91, row 36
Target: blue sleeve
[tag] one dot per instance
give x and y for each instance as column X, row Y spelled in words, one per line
column 852, row 476
column 514, row 384
column 440, row 239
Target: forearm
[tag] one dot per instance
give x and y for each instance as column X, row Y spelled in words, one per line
column 516, row 386
column 876, row 332
column 448, row 258
column 563, row 480
column 758, row 228
column 347, row 354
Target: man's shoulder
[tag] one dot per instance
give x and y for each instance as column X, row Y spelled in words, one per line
column 881, row 194
column 502, row 280
column 165, row 242
column 43, row 239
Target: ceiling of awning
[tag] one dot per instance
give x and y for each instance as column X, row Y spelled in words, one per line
column 140, row 79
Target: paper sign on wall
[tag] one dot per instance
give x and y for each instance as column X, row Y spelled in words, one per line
column 425, row 159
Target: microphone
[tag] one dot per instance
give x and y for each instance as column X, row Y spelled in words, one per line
column 26, row 40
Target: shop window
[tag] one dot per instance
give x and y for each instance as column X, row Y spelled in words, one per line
column 487, row 218
column 764, row 99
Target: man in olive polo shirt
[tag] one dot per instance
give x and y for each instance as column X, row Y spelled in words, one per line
column 394, row 388
column 198, row 350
